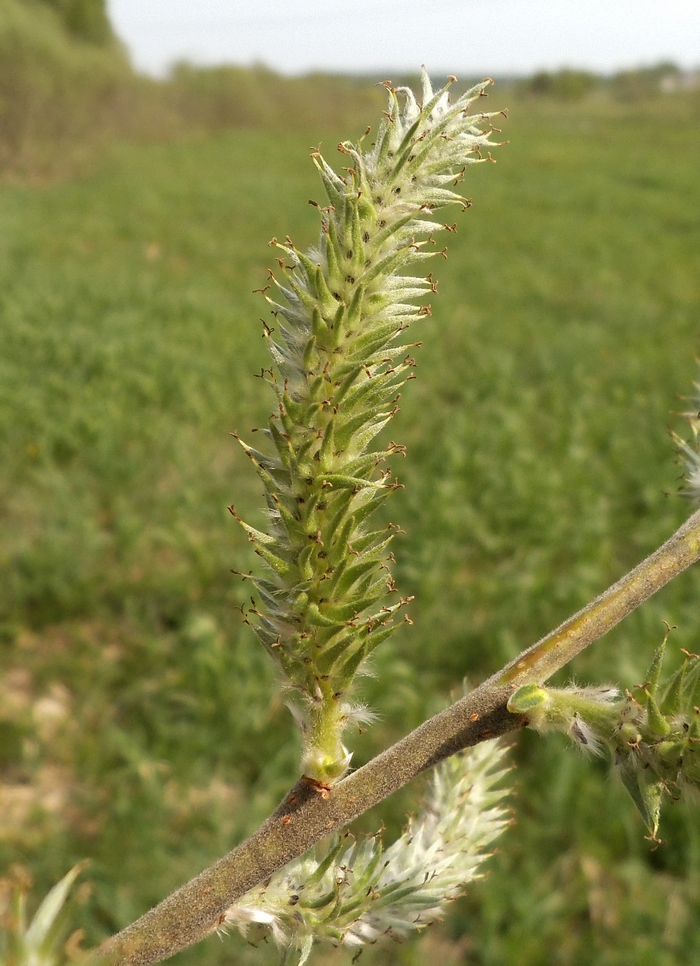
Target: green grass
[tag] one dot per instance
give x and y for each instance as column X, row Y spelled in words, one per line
column 139, row 723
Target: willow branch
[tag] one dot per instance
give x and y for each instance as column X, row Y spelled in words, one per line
column 307, row 814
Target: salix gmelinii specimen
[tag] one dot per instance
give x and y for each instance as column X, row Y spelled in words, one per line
column 337, row 337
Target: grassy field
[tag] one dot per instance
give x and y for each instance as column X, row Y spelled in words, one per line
column 139, row 722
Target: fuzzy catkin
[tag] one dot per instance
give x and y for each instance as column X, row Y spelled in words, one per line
column 337, row 341
column 357, row 892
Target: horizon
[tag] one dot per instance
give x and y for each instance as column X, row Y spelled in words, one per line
column 469, row 37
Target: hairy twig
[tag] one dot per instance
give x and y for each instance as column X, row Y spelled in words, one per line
column 309, row 813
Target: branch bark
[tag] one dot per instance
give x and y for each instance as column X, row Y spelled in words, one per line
column 307, row 815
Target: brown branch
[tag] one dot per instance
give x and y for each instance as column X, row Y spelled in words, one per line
column 308, row 814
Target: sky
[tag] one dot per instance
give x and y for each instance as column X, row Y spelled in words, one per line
column 449, row 36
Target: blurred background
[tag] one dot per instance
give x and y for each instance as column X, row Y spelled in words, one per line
column 452, row 36
column 148, row 152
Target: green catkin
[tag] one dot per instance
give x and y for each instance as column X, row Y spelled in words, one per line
column 339, row 314
column 650, row 732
